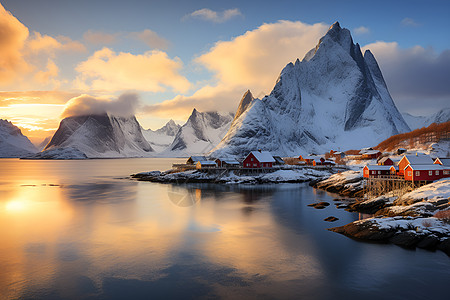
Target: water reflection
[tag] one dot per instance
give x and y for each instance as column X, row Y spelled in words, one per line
column 100, row 237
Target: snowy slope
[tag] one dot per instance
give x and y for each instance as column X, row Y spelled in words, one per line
column 416, row 122
column 99, row 136
column 334, row 98
column 12, row 142
column 162, row 138
column 202, row 132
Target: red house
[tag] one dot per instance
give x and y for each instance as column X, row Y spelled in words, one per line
column 374, row 171
column 258, row 159
column 424, row 172
column 418, row 159
column 386, row 161
column 371, row 154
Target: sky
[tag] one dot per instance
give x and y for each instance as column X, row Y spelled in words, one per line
column 161, row 59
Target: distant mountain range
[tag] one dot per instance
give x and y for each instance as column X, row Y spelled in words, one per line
column 162, row 138
column 201, row 133
column 335, row 98
column 415, row 122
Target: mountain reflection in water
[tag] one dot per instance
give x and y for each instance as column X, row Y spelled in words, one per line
column 73, row 229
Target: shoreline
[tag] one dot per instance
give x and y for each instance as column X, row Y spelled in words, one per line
column 408, row 221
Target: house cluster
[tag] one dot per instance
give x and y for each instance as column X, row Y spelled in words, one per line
column 317, row 160
column 253, row 160
column 417, row 167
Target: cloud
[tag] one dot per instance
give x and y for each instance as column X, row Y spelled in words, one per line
column 152, row 71
column 408, row 22
column 45, row 77
column 151, row 38
column 125, row 105
column 250, row 61
column 361, row 30
column 13, row 35
column 99, row 37
column 417, row 77
column 44, row 43
column 207, row 14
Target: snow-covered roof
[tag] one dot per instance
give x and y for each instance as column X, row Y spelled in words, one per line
column 430, row 167
column 263, row 156
column 230, row 161
column 197, row 158
column 312, row 157
column 278, row 160
column 384, row 159
column 369, row 152
column 378, row 167
column 419, row 159
column 207, row 163
column 443, row 161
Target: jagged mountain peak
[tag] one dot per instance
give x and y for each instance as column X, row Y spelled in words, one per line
column 245, row 102
column 334, row 97
column 201, row 132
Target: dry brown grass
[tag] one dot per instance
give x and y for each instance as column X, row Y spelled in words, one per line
column 291, row 160
column 443, row 215
column 433, row 133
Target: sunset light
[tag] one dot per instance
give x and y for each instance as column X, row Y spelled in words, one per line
column 224, row 149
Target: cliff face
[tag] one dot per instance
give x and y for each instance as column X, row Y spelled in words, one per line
column 335, row 97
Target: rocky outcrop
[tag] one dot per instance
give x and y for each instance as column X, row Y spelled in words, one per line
column 347, row 184
column 409, row 232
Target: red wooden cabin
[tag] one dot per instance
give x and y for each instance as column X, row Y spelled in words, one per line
column 430, row 172
column 258, row 159
column 374, row 171
column 418, row 159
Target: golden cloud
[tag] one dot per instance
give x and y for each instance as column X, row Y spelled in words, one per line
column 99, row 37
column 152, row 71
column 124, row 105
column 151, row 39
column 250, row 61
column 45, row 76
column 48, row 44
column 13, row 35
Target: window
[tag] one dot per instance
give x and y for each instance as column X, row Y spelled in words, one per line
column 379, row 172
column 254, row 165
column 445, row 172
column 251, row 159
column 366, row 171
column 430, row 173
column 409, row 173
column 417, row 173
column 437, row 172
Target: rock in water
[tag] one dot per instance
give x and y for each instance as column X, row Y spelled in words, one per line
column 334, row 97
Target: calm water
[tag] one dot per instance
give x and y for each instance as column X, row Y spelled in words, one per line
column 78, row 230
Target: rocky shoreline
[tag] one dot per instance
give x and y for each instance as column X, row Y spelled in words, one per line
column 294, row 175
column 419, row 219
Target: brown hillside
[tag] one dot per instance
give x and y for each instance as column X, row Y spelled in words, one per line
column 431, row 134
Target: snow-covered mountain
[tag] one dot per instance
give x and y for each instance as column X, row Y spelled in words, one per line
column 97, row 136
column 12, row 142
column 202, row 132
column 44, row 143
column 415, row 122
column 334, row 98
column 162, row 138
